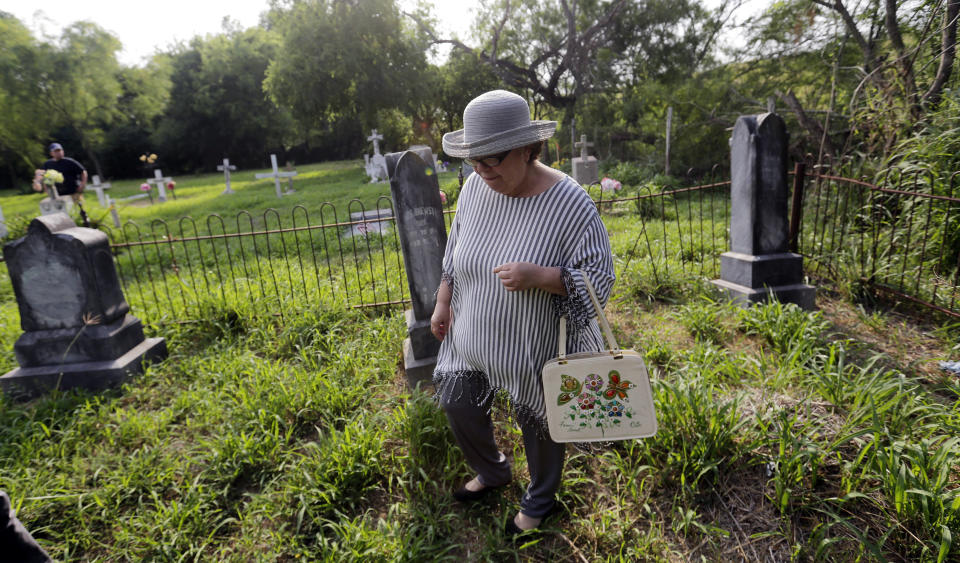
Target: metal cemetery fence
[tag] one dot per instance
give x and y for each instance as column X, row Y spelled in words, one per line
column 180, row 272
column 901, row 237
column 177, row 273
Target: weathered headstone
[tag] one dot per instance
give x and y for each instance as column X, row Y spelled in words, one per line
column 759, row 264
column 226, row 168
column 276, row 175
column 99, row 187
column 423, row 240
column 77, row 328
column 585, row 168
column 55, row 203
column 375, row 165
column 160, row 181
column 367, row 221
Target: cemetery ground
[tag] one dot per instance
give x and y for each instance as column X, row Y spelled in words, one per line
column 784, row 434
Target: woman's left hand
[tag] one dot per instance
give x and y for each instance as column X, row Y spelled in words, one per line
column 518, row 276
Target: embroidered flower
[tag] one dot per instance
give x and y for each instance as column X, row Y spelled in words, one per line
column 593, row 382
column 613, row 408
column 586, row 401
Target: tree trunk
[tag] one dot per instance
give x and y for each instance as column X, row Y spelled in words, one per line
column 96, row 163
column 948, row 53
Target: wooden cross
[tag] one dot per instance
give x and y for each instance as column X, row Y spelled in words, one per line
column 276, row 174
column 161, row 181
column 99, row 187
column 226, row 167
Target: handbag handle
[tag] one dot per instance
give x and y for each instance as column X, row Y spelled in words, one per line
column 601, row 318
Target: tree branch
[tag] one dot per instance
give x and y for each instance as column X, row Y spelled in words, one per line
column 813, row 127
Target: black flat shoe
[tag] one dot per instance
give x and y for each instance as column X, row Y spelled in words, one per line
column 513, row 531
column 463, row 494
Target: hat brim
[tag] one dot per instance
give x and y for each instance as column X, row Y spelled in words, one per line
column 455, row 146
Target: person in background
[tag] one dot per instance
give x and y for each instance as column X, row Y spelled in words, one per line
column 74, row 174
column 524, row 238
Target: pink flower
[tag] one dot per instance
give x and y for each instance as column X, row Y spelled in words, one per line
column 171, row 185
column 586, row 401
column 144, row 187
column 443, row 198
column 610, row 185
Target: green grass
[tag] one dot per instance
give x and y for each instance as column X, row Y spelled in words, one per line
column 199, row 196
column 266, row 438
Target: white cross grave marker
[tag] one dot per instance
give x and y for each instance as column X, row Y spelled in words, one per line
column 226, row 167
column 583, row 145
column 585, row 167
column 375, row 137
column 161, row 183
column 376, row 165
column 99, row 187
column 276, row 174
column 3, row 225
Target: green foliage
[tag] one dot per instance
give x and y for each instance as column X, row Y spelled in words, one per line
column 707, row 320
column 784, row 326
column 217, row 106
column 343, row 59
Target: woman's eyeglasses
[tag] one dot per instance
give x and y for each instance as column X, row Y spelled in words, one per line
column 491, row 161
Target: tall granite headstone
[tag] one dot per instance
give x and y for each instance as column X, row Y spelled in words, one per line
column 78, row 331
column 759, row 264
column 423, row 240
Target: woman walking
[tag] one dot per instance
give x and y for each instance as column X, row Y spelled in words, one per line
column 524, row 238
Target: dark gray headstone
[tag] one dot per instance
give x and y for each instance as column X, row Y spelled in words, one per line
column 77, row 328
column 759, row 264
column 423, row 240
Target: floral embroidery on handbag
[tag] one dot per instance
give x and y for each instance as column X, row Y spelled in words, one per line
column 592, row 405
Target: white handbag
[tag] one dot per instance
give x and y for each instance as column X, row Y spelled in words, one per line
column 598, row 396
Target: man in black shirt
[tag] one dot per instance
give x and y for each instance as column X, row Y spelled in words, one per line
column 74, row 174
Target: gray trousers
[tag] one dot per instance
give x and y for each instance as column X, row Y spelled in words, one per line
column 473, row 429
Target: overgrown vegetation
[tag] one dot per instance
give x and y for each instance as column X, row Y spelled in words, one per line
column 262, row 437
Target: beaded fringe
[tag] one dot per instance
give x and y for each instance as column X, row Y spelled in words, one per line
column 449, row 388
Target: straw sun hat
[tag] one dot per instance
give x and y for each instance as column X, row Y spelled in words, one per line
column 495, row 122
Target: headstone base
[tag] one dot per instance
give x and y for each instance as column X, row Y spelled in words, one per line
column 26, row 383
column 425, row 344
column 94, row 343
column 419, row 372
column 585, row 172
column 802, row 294
column 773, row 270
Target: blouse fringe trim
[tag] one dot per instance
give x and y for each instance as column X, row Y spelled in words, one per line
column 449, row 387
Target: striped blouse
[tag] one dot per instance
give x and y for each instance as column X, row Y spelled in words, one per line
column 505, row 337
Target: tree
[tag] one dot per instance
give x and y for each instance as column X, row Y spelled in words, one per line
column 80, row 84
column 217, row 105
column 344, row 60
column 888, row 64
column 560, row 52
column 23, row 121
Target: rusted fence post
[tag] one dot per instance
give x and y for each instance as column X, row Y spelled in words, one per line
column 796, row 207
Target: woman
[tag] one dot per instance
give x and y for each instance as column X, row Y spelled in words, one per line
column 523, row 238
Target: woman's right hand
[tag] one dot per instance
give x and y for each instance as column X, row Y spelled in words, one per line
column 440, row 321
